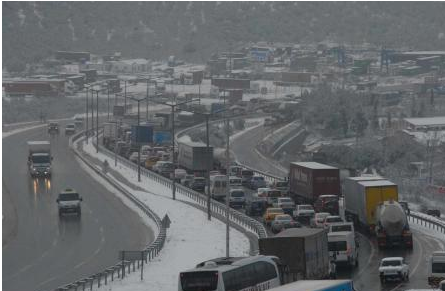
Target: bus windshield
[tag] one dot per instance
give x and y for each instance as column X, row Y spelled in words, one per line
column 198, row 281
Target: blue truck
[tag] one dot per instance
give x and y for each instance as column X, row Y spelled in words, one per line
column 317, row 285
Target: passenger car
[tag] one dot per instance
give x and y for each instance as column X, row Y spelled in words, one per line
column 318, row 220
column 70, row 129
column 327, row 203
column 257, row 182
column 304, row 212
column 332, row 219
column 285, row 203
column 53, row 127
column 283, row 221
column 68, row 201
column 270, row 214
column 255, row 207
column 198, row 184
column 393, row 268
column 237, row 198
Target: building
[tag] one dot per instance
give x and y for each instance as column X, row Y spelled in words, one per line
column 131, row 66
column 34, row 87
column 425, row 123
column 414, row 55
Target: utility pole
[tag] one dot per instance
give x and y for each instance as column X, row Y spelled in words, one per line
column 92, row 113
column 147, row 98
column 125, row 96
column 137, row 136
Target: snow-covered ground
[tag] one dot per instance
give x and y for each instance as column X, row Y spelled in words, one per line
column 191, row 238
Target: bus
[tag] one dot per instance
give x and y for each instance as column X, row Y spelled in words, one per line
column 231, row 274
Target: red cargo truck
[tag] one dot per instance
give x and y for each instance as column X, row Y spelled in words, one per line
column 308, row 180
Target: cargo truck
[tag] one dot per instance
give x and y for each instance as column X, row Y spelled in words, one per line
column 308, row 180
column 436, row 269
column 304, row 252
column 193, row 156
column 372, row 204
column 110, row 132
column 317, row 285
column 39, row 158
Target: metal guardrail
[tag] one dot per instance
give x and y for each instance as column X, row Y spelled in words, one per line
column 216, row 207
column 118, row 270
column 433, row 224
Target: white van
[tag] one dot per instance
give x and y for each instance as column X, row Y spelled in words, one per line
column 342, row 248
column 436, row 268
column 218, row 187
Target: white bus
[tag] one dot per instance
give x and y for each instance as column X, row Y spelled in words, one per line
column 232, row 274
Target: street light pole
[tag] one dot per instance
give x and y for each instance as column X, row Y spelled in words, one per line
column 86, row 124
column 146, row 109
column 108, row 101
column 92, row 113
column 137, row 140
column 209, row 213
column 97, row 121
column 125, row 97
column 227, row 176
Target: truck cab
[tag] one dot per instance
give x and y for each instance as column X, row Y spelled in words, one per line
column 39, row 159
column 68, row 201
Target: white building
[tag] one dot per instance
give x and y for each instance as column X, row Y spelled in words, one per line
column 130, row 66
column 425, row 123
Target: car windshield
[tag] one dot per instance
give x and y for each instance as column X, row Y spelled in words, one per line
column 199, row 180
column 237, row 194
column 283, row 218
column 41, row 159
column 70, row 126
column 305, row 207
column 335, row 246
column 345, row 227
column 391, row 263
column 438, row 267
column 276, row 210
column 220, row 184
column 69, row 196
column 333, row 219
column 247, row 173
column 285, row 200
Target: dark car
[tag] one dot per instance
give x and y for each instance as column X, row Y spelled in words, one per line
column 255, row 207
column 327, row 203
column 53, row 127
column 433, row 212
column 198, row 184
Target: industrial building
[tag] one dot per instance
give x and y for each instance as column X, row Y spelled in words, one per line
column 425, row 124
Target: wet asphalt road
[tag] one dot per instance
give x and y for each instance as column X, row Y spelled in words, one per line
column 41, row 251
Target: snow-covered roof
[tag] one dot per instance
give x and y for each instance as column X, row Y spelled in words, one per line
column 425, row 121
column 314, row 165
column 377, row 183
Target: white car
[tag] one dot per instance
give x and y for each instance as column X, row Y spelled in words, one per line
column 304, row 211
column 331, row 220
column 319, row 219
column 393, row 268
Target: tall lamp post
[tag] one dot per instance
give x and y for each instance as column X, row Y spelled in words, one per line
column 137, row 136
column 86, row 123
column 97, row 116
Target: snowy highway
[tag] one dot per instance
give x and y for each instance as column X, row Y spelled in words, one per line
column 43, row 252
column 366, row 276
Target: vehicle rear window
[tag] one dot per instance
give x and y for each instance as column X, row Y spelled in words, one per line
column 391, row 263
column 333, row 219
column 337, row 228
column 198, row 281
column 237, row 194
column 69, row 197
column 274, row 194
column 335, row 246
column 246, row 173
column 281, row 184
column 438, row 268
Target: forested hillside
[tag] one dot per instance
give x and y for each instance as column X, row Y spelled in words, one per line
column 192, row 30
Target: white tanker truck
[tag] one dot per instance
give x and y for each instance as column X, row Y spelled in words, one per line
column 392, row 226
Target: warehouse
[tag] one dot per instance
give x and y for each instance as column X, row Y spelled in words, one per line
column 35, row 87
column 425, row 124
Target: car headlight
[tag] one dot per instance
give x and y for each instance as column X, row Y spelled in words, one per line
column 34, row 169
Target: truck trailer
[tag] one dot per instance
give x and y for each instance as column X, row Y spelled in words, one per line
column 308, row 180
column 39, row 158
column 193, row 156
column 304, row 252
